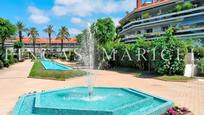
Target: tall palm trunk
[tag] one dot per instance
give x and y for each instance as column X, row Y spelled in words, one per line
column 50, row 40
column 34, row 46
column 20, row 36
column 62, row 43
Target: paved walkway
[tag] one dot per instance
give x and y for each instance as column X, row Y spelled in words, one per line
column 14, row 82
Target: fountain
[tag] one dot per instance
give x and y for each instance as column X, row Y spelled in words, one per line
column 88, row 52
column 91, row 100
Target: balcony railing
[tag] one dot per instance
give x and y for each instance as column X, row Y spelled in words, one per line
column 166, row 17
column 188, row 33
column 30, row 45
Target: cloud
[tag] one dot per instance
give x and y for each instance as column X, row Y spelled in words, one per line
column 116, row 21
column 128, row 5
column 73, row 7
column 84, row 8
column 38, row 16
column 76, row 20
column 59, row 10
column 74, row 31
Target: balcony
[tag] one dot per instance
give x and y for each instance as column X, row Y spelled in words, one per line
column 177, row 16
column 30, row 45
column 197, row 33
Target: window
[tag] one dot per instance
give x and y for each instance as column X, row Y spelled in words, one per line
column 148, row 30
column 164, row 28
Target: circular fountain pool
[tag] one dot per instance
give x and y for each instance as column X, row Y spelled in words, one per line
column 104, row 101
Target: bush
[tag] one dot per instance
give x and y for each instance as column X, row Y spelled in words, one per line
column 199, row 52
column 6, row 63
column 200, row 67
column 1, row 64
column 187, row 5
column 71, row 55
column 15, row 60
column 48, row 55
column 146, row 15
column 11, row 58
column 18, row 45
column 178, row 8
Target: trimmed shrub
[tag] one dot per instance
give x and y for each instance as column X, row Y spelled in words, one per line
column 187, row 5
column 200, row 67
column 178, row 8
column 1, row 64
column 146, row 15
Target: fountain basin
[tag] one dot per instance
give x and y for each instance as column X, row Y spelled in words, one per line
column 104, row 101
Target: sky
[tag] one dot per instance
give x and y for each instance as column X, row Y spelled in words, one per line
column 74, row 14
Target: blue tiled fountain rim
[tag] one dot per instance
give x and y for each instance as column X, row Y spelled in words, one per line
column 37, row 102
column 153, row 111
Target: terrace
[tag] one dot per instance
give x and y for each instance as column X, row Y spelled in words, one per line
column 182, row 93
column 96, row 74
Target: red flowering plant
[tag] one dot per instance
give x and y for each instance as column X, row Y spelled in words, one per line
column 176, row 111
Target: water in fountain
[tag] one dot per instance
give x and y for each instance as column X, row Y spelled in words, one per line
column 87, row 52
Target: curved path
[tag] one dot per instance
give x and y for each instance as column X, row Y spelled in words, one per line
column 14, row 82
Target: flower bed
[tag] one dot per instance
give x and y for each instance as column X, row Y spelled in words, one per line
column 178, row 111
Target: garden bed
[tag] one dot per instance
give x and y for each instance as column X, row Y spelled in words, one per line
column 38, row 71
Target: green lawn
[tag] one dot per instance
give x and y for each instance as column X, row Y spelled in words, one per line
column 176, row 78
column 38, row 71
column 152, row 75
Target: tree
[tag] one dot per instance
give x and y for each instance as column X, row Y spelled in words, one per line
column 49, row 30
column 79, row 37
column 200, row 67
column 33, row 33
column 21, row 28
column 6, row 30
column 169, row 45
column 104, row 30
column 62, row 35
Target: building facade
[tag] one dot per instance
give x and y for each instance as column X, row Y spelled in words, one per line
column 151, row 19
column 43, row 44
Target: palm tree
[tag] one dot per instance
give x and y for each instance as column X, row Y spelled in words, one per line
column 49, row 30
column 33, row 33
column 7, row 30
column 62, row 35
column 21, row 28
